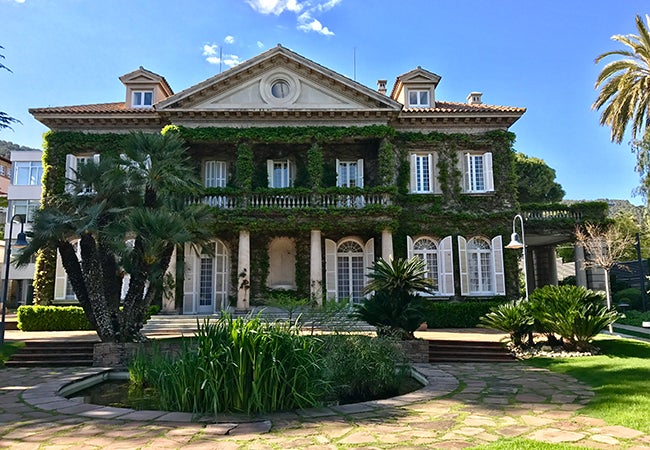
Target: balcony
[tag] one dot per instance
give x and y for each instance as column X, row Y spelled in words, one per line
column 296, row 199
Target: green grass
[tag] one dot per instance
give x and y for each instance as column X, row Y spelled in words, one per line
column 8, row 349
column 524, row 444
column 620, row 378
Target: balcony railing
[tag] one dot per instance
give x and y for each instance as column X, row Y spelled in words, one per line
column 576, row 212
column 294, row 201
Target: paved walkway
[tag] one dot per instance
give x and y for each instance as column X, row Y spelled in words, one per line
column 483, row 403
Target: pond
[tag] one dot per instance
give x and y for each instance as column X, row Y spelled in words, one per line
column 120, row 393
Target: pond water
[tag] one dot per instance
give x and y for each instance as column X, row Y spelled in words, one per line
column 120, row 394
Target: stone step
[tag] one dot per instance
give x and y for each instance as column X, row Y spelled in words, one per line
column 468, row 351
column 53, row 354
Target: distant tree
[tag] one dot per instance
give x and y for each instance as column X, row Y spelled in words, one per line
column 5, row 119
column 604, row 247
column 536, row 183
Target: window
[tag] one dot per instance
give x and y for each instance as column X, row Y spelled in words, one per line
column 418, row 99
column 478, row 172
column 28, row 173
column 438, row 260
column 422, row 173
column 215, row 174
column 25, row 208
column 280, row 173
column 481, row 266
column 2, row 170
column 142, row 99
column 72, row 164
column 349, row 173
column 206, row 279
column 350, row 271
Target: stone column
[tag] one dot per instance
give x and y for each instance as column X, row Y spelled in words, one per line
column 581, row 273
column 316, row 267
column 386, row 245
column 169, row 295
column 243, row 271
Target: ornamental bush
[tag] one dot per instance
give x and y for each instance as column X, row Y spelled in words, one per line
column 52, row 318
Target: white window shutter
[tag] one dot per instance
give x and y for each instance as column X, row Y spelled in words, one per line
column 209, row 177
column 487, row 170
column 189, row 281
column 290, row 174
column 409, row 247
column 462, row 264
column 60, row 279
column 467, row 171
column 70, row 170
column 330, row 269
column 221, row 174
column 96, row 158
column 368, row 259
column 414, row 173
column 269, row 171
column 126, row 280
column 430, row 169
column 446, row 267
column 339, row 181
column 360, row 173
column 497, row 263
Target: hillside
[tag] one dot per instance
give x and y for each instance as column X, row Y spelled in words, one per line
column 6, row 147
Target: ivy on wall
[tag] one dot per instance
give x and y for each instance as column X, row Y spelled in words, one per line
column 315, row 166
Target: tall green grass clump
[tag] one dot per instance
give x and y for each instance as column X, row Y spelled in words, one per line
column 238, row 365
column 360, row 368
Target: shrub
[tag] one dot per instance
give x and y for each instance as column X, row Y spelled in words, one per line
column 513, row 318
column 362, row 368
column 52, row 318
column 465, row 314
column 631, row 296
column 634, row 318
column 574, row 313
column 238, row 365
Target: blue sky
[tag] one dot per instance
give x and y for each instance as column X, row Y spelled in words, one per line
column 534, row 54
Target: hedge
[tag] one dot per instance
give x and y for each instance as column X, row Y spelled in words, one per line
column 465, row 314
column 52, row 318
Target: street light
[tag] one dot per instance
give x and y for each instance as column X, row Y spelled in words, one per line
column 516, row 244
column 21, row 241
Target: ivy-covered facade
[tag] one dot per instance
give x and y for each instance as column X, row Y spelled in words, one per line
column 311, row 177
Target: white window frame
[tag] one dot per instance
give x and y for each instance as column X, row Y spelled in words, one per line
column 445, row 262
column 219, row 281
column 419, row 101
column 72, row 162
column 34, row 171
column 423, row 179
column 139, row 98
column 343, row 178
column 332, row 255
column 494, row 282
column 24, row 207
column 479, row 177
column 215, row 174
column 287, row 174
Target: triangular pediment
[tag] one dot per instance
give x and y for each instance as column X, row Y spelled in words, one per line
column 278, row 79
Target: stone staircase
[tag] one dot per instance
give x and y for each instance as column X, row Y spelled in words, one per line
column 468, row 351
column 53, row 354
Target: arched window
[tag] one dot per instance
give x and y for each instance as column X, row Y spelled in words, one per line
column 427, row 250
column 350, row 270
column 479, row 265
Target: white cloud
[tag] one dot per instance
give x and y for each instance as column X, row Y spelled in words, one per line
column 210, row 49
column 228, row 60
column 260, row 44
column 213, row 59
column 229, row 39
column 304, row 11
column 19, row 1
column 275, row 7
column 314, row 25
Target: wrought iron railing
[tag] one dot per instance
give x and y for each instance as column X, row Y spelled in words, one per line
column 298, row 200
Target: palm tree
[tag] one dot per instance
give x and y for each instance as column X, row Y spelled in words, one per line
column 128, row 213
column 625, row 84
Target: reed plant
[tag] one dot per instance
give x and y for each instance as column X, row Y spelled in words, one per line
column 238, row 365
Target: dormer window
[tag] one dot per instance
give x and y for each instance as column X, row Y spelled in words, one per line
column 142, row 99
column 419, row 98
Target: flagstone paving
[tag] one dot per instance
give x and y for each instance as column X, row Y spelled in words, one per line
column 465, row 404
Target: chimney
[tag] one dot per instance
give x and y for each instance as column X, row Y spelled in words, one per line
column 474, row 98
column 381, row 86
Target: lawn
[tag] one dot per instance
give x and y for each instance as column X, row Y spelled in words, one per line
column 620, row 378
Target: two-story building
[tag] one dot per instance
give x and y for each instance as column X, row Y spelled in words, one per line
column 312, row 176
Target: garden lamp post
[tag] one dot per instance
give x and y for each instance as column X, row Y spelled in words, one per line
column 516, row 243
column 21, row 241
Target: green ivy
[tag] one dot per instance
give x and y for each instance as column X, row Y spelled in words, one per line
column 386, row 163
column 315, row 166
column 245, row 167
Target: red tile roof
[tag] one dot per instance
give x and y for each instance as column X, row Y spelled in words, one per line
column 101, row 108
column 454, row 107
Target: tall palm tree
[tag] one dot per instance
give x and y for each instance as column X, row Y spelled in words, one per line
column 128, row 213
column 624, row 84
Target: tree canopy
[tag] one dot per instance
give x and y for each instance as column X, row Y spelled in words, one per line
column 536, row 182
column 116, row 228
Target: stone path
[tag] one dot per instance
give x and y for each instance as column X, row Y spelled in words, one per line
column 483, row 403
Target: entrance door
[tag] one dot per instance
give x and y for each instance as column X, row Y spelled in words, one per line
column 350, row 271
column 206, row 286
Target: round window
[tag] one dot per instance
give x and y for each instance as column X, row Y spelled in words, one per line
column 280, row 89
